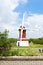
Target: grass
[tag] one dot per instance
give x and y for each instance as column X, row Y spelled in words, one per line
column 25, row 52
column 31, row 46
column 31, row 50
column 36, row 46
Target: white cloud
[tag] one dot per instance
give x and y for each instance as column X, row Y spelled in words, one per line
column 35, row 22
column 9, row 3
column 0, row 19
column 8, row 18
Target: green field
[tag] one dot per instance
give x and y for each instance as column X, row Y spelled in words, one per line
column 32, row 50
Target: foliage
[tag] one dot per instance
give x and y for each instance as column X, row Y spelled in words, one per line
column 12, row 40
column 4, row 43
column 24, row 52
column 37, row 41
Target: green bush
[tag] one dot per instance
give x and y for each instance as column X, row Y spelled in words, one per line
column 24, row 52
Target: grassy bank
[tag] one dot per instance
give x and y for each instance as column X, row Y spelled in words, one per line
column 32, row 50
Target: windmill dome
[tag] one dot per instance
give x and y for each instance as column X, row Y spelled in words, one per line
column 22, row 27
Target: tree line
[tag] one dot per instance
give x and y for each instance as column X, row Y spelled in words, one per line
column 37, row 40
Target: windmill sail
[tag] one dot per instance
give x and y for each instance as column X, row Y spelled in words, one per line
column 22, row 25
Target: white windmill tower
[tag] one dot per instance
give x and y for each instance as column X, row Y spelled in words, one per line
column 22, row 35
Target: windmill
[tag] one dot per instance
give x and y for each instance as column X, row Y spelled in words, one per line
column 22, row 35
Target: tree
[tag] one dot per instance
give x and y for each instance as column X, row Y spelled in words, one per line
column 4, row 43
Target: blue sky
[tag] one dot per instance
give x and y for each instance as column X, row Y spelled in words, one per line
column 35, row 6
column 11, row 16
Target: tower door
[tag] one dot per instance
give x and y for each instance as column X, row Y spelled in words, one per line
column 18, row 44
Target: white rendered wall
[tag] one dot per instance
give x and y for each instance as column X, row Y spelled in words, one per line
column 22, row 43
